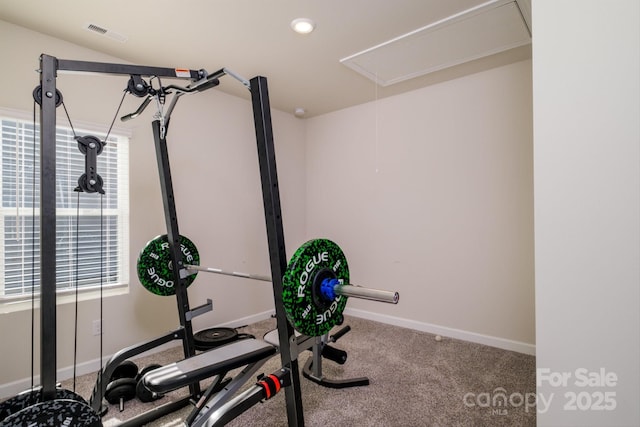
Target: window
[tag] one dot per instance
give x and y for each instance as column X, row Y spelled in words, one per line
column 83, row 256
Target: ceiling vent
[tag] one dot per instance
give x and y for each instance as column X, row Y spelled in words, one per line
column 489, row 28
column 97, row 29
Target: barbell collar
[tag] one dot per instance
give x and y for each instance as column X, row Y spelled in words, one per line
column 367, row 293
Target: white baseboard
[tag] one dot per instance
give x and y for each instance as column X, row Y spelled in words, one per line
column 248, row 320
column 15, row 387
column 444, row 331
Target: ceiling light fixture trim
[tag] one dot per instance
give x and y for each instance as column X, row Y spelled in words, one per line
column 303, row 25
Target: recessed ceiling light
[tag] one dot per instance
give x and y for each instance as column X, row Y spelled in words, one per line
column 303, row 25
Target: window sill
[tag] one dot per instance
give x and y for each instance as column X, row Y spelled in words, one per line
column 8, row 305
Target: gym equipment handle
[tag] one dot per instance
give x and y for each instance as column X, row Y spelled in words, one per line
column 334, row 354
column 335, row 337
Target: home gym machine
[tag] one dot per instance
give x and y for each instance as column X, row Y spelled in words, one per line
column 309, row 292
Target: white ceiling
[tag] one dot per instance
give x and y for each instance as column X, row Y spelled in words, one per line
column 253, row 37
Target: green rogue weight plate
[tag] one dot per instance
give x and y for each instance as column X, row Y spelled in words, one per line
column 306, row 309
column 154, row 264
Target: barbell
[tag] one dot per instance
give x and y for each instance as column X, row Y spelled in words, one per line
column 315, row 284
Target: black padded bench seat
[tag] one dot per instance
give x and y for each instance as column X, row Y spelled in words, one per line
column 217, row 361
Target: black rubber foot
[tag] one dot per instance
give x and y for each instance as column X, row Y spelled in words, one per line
column 325, row 382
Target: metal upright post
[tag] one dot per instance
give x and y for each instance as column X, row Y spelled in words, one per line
column 48, row 73
column 275, row 236
column 48, row 98
column 173, row 235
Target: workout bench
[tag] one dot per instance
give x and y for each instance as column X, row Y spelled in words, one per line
column 216, row 363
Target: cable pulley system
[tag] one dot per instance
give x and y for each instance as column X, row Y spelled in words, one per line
column 310, row 290
column 139, row 87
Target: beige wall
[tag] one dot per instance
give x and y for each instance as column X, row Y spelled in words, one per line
column 431, row 193
column 215, row 170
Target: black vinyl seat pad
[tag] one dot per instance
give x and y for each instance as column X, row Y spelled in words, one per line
column 217, row 361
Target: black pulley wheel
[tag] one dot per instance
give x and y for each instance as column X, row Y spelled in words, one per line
column 138, row 87
column 87, row 187
column 85, row 142
column 37, row 96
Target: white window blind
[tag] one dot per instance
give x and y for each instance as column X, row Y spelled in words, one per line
column 92, row 236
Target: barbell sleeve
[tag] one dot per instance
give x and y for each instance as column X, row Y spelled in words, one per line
column 228, row 273
column 367, row 293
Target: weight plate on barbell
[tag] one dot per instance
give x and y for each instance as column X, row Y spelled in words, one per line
column 306, row 309
column 154, row 264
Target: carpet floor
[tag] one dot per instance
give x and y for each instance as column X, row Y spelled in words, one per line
column 414, row 381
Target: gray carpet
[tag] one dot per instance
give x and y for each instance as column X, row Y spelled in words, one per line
column 415, row 381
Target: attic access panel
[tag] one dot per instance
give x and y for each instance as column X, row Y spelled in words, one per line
column 484, row 30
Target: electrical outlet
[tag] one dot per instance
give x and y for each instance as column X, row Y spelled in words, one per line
column 97, row 327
